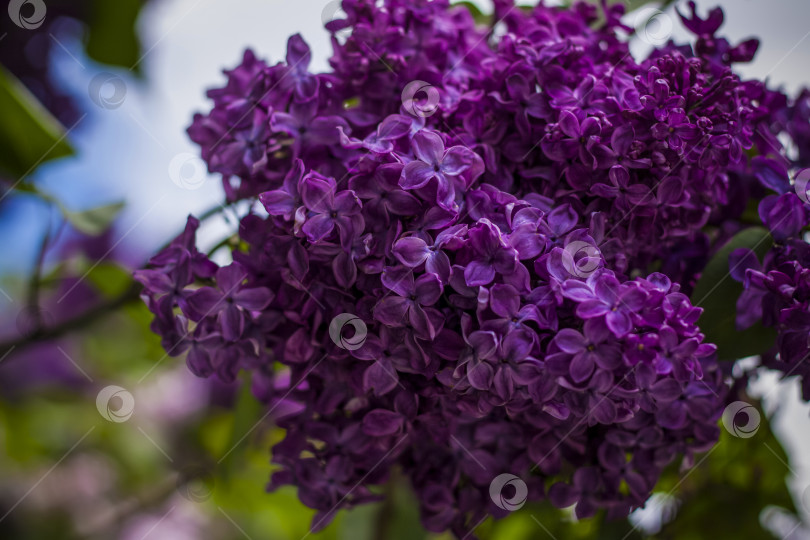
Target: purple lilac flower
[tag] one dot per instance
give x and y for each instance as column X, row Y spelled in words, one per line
column 495, row 250
column 433, row 162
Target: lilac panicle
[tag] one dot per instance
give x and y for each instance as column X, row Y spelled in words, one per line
column 494, row 233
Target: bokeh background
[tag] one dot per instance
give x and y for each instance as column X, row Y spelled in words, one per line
column 90, row 189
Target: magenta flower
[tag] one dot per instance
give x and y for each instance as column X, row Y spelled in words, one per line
column 232, row 301
column 410, row 306
column 572, row 138
column 284, row 201
column 595, row 348
column 329, row 210
column 382, row 140
column 490, row 255
column 605, row 297
column 306, row 127
column 434, row 162
column 381, row 195
column 387, row 356
column 412, row 251
column 304, row 85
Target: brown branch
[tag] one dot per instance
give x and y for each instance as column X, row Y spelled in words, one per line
column 42, row 334
column 385, row 515
column 80, row 321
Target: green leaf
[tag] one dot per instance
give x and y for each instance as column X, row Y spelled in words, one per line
column 112, row 36
column 542, row 520
column 248, row 412
column 477, row 15
column 109, row 278
column 724, row 496
column 717, row 293
column 631, row 5
column 93, row 221
column 635, row 4
column 397, row 516
column 29, row 134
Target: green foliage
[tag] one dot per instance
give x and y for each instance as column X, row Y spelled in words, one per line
column 631, row 5
column 717, row 293
column 29, row 135
column 248, row 414
column 112, row 37
column 477, row 15
column 635, row 4
column 722, row 497
column 109, row 278
column 397, row 517
column 92, row 221
column 726, row 494
column 543, row 521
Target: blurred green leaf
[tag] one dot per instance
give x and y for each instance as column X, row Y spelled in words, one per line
column 724, row 496
column 717, row 293
column 542, row 520
column 751, row 213
column 121, row 344
column 635, row 4
column 248, row 411
column 631, row 5
column 93, row 221
column 109, row 278
column 397, row 516
column 477, row 15
column 29, row 134
column 112, row 34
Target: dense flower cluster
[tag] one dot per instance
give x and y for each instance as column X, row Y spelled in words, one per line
column 777, row 292
column 512, row 218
